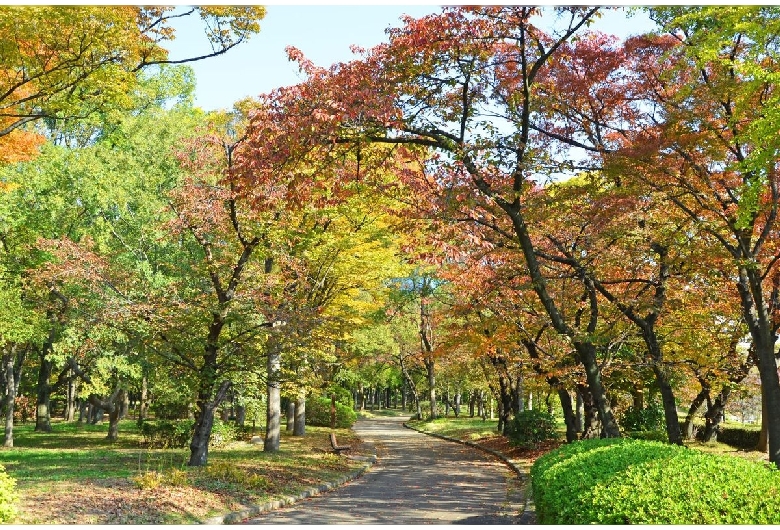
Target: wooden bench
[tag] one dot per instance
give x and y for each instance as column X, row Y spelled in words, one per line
column 335, row 445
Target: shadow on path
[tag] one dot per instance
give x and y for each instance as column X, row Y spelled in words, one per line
column 417, row 480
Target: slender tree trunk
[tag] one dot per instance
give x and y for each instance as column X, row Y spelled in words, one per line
column 290, row 416
column 673, row 432
column 143, row 409
column 412, row 387
column 300, row 414
column 430, row 366
column 763, row 437
column 505, row 402
column 569, row 417
column 70, row 407
column 10, row 399
column 580, row 412
column 698, row 401
column 42, row 410
column 333, row 411
column 273, row 408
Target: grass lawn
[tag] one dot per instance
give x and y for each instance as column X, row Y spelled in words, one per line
column 73, row 475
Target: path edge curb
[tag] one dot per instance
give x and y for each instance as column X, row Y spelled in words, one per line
column 253, row 510
column 529, row 509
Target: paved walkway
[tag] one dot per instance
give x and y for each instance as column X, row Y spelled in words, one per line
column 417, row 479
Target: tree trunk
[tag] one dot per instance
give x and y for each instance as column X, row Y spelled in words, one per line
column 758, row 317
column 587, row 353
column 590, row 414
column 333, row 411
column 504, row 403
column 113, row 405
column 273, row 408
column 673, row 432
column 115, row 415
column 300, row 415
column 10, row 399
column 763, row 437
column 580, row 412
column 430, row 366
column 412, row 387
column 714, row 415
column 124, row 405
column 698, row 401
column 569, row 417
column 204, row 422
column 42, row 410
column 143, row 409
column 70, row 407
column 290, row 415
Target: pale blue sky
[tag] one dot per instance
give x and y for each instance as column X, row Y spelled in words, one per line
column 323, row 32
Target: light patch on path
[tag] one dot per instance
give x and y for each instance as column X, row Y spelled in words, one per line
column 418, row 479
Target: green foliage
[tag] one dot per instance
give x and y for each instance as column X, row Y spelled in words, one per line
column 530, row 427
column 171, row 434
column 739, row 437
column 649, row 418
column 8, row 497
column 318, row 414
column 167, row 434
column 623, row 481
column 223, row 432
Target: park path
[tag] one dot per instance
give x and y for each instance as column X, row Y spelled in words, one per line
column 417, row 479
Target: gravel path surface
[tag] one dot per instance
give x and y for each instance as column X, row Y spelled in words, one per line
column 417, row 479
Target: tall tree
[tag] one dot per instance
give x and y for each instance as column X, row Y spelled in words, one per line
column 706, row 148
column 465, row 83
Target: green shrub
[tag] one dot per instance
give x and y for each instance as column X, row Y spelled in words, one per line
column 530, row 427
column 739, row 437
column 167, row 434
column 623, row 481
column 318, row 414
column 8, row 497
column 223, row 432
column 173, row 434
column 649, row 418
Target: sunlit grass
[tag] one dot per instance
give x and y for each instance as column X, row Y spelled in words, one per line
column 464, row 428
column 78, row 460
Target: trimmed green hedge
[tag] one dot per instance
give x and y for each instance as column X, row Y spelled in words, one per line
column 740, row 437
column 623, row 481
column 318, row 414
